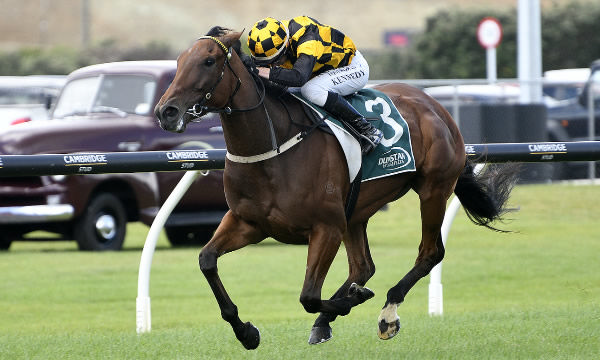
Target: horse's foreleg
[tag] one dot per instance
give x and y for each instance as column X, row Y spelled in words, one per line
column 361, row 269
column 231, row 235
column 431, row 252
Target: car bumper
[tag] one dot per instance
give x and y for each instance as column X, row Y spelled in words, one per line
column 35, row 214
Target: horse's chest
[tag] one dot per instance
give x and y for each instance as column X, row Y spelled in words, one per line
column 283, row 225
column 286, row 209
column 272, row 211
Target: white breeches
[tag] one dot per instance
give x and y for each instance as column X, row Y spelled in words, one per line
column 344, row 81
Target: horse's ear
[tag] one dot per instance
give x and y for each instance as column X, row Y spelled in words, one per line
column 231, row 37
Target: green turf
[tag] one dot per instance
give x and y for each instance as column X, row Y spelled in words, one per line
column 534, row 294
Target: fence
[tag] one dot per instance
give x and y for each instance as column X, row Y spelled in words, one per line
column 486, row 110
column 150, row 161
column 105, row 163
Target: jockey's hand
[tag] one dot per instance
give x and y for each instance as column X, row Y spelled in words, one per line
column 264, row 72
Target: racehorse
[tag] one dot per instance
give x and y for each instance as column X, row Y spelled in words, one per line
column 295, row 188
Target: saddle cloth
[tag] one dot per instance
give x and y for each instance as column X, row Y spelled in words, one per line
column 392, row 156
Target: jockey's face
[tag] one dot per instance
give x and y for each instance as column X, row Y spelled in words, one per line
column 279, row 61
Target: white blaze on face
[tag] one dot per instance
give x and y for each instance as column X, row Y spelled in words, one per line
column 180, row 124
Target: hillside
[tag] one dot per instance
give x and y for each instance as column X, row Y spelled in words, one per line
column 52, row 22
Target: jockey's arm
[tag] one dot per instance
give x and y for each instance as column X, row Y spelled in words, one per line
column 298, row 75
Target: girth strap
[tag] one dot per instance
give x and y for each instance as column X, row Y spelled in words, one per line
column 269, row 154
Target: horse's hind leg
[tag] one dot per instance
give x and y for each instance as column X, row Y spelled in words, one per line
column 361, row 269
column 231, row 235
column 431, row 252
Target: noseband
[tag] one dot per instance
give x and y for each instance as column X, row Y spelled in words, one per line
column 199, row 109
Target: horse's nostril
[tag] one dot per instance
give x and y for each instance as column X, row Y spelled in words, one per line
column 171, row 112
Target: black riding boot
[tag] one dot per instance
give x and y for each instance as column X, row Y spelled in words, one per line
column 341, row 109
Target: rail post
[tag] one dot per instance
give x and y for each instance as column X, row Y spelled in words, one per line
column 436, row 293
column 142, row 302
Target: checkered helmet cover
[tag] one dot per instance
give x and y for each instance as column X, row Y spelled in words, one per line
column 267, row 39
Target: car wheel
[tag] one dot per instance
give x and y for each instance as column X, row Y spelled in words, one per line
column 190, row 235
column 102, row 226
column 4, row 243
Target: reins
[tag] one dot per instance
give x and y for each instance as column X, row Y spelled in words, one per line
column 200, row 109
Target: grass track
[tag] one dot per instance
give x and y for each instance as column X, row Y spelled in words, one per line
column 534, row 294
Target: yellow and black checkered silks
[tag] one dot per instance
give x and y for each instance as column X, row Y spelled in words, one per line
column 331, row 48
column 267, row 39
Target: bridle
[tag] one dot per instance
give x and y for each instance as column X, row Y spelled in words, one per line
column 200, row 109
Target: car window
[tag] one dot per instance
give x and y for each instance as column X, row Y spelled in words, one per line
column 562, row 91
column 77, row 96
column 130, row 93
column 15, row 96
column 118, row 93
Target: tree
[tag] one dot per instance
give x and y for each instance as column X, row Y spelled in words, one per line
column 63, row 60
column 448, row 48
column 571, row 35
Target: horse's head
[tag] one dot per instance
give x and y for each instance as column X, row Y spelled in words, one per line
column 199, row 81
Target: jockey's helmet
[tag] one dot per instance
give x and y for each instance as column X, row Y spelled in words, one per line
column 267, row 40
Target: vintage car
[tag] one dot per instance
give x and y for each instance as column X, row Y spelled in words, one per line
column 108, row 108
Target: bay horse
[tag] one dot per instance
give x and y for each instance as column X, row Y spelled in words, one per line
column 296, row 191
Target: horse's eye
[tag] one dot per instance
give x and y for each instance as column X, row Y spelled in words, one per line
column 209, row 62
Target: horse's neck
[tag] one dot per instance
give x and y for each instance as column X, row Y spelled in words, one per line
column 254, row 132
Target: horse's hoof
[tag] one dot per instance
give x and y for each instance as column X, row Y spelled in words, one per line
column 387, row 331
column 388, row 322
column 360, row 292
column 319, row 335
column 251, row 338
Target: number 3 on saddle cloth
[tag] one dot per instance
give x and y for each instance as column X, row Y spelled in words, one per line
column 392, row 156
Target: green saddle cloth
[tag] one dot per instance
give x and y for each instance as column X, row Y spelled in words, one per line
column 394, row 154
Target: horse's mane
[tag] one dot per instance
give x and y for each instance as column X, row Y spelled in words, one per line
column 219, row 31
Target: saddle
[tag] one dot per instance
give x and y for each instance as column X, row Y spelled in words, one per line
column 392, row 156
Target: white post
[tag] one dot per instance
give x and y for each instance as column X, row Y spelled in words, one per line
column 489, row 35
column 436, row 295
column 492, row 74
column 529, row 54
column 591, row 124
column 142, row 302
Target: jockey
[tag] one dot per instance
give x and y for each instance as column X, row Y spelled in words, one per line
column 320, row 60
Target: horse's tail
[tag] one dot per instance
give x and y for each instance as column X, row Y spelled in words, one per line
column 484, row 195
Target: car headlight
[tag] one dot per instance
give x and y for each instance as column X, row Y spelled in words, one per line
column 53, row 199
column 58, row 178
